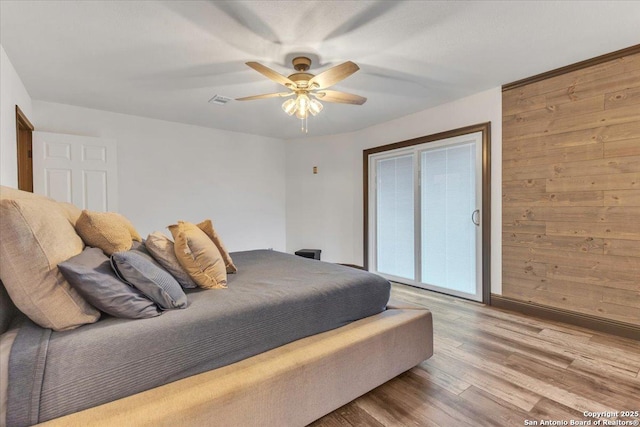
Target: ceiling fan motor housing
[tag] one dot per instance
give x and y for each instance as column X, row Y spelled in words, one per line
column 301, row 79
column 301, row 63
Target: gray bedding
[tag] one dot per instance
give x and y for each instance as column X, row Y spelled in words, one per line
column 274, row 299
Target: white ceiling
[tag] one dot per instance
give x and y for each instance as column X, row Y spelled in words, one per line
column 166, row 59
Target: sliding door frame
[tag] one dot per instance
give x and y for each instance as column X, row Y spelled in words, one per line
column 485, row 129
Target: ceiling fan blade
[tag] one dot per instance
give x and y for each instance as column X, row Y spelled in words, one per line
column 266, row 95
column 272, row 75
column 334, row 75
column 340, row 97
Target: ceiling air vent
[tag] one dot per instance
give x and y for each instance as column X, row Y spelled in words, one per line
column 219, row 100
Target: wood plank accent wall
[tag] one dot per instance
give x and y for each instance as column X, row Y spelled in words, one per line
column 571, row 190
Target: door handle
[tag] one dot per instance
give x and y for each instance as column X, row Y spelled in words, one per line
column 475, row 217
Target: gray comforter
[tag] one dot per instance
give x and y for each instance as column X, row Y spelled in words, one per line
column 274, row 299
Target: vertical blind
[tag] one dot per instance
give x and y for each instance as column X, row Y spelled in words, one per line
column 395, row 223
column 448, row 198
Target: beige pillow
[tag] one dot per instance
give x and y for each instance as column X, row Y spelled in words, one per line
column 162, row 249
column 15, row 194
column 135, row 236
column 207, row 227
column 36, row 237
column 199, row 256
column 105, row 230
column 71, row 211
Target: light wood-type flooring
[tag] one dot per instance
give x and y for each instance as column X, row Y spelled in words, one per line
column 497, row 368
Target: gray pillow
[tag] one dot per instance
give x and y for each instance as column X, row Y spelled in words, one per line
column 137, row 268
column 90, row 274
column 161, row 249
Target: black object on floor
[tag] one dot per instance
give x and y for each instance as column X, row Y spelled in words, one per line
column 309, row 253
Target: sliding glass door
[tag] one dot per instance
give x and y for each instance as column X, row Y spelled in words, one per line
column 425, row 202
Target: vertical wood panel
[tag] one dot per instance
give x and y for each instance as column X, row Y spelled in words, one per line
column 571, row 191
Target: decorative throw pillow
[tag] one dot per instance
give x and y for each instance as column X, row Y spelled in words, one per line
column 162, row 249
column 90, row 273
column 139, row 270
column 135, row 236
column 15, row 194
column 71, row 211
column 199, row 256
column 36, row 237
column 207, row 227
column 104, row 230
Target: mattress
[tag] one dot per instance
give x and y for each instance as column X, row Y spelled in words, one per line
column 274, row 299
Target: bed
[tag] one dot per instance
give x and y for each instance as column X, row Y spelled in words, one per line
column 289, row 341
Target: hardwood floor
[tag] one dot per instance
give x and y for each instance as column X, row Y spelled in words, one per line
column 497, row 368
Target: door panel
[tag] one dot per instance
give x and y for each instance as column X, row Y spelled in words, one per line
column 76, row 169
column 58, row 184
column 57, row 150
column 94, row 194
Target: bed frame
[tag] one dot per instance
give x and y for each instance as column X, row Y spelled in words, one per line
column 292, row 385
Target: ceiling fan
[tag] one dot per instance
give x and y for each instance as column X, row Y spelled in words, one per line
column 308, row 88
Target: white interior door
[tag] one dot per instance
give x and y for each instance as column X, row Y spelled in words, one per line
column 76, row 169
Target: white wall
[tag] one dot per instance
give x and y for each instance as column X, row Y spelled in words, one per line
column 325, row 210
column 12, row 93
column 169, row 171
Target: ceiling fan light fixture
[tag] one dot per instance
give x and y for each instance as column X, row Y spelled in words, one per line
column 302, row 114
column 289, row 106
column 302, row 102
column 315, row 107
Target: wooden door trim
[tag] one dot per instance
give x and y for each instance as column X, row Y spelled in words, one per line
column 22, row 120
column 24, row 150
